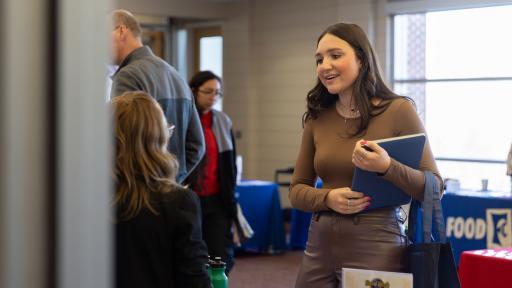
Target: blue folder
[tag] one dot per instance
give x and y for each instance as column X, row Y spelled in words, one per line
column 407, row 150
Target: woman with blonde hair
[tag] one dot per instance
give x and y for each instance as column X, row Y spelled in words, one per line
column 158, row 223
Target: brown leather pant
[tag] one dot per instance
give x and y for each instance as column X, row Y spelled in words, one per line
column 370, row 240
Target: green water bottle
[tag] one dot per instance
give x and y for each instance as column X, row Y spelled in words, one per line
column 209, row 267
column 218, row 276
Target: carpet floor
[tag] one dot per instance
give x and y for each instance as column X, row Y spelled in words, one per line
column 268, row 271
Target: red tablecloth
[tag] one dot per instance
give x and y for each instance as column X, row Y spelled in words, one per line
column 488, row 268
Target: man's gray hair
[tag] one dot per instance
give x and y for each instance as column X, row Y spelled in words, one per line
column 123, row 17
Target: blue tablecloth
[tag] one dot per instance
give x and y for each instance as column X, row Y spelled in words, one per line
column 477, row 220
column 299, row 225
column 262, row 209
column 299, row 229
column 474, row 220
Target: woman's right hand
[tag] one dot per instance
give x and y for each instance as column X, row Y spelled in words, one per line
column 345, row 201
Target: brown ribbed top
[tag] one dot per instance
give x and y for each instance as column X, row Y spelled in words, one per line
column 326, row 152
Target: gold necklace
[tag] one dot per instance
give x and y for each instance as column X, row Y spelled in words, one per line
column 352, row 112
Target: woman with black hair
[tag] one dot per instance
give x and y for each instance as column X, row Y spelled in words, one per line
column 215, row 178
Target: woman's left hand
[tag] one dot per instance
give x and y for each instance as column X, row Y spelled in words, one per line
column 376, row 160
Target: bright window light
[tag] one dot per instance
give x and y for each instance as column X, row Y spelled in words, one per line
column 457, row 66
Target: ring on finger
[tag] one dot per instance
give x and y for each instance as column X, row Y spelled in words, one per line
column 348, row 203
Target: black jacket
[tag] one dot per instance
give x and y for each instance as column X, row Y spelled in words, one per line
column 222, row 128
column 164, row 250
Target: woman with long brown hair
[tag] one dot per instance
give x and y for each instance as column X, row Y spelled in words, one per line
column 158, row 222
column 351, row 106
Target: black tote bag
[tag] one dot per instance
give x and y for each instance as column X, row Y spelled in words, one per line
column 431, row 263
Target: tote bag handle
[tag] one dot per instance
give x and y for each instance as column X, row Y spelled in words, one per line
column 431, row 212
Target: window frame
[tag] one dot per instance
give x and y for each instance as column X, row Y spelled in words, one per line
column 422, row 9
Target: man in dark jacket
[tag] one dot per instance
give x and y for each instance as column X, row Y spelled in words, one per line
column 140, row 70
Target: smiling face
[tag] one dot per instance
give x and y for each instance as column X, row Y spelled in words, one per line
column 337, row 64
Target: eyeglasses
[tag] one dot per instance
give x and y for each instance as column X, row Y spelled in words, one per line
column 211, row 92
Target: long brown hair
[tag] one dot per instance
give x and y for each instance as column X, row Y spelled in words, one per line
column 368, row 84
column 142, row 163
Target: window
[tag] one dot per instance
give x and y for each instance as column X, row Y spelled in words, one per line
column 208, row 53
column 457, row 66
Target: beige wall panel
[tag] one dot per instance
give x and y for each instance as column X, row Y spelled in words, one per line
column 175, row 8
column 281, row 43
column 268, row 66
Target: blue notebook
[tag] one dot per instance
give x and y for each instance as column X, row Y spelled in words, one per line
column 407, row 150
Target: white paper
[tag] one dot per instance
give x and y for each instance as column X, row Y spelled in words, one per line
column 359, row 278
column 239, row 168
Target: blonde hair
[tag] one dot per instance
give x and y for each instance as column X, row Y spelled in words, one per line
column 142, row 163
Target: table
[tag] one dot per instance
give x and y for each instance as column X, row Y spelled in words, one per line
column 486, row 268
column 299, row 225
column 474, row 220
column 262, row 208
column 477, row 220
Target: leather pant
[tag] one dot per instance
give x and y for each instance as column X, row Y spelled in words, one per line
column 372, row 240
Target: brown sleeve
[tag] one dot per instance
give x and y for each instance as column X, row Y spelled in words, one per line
column 302, row 194
column 406, row 178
